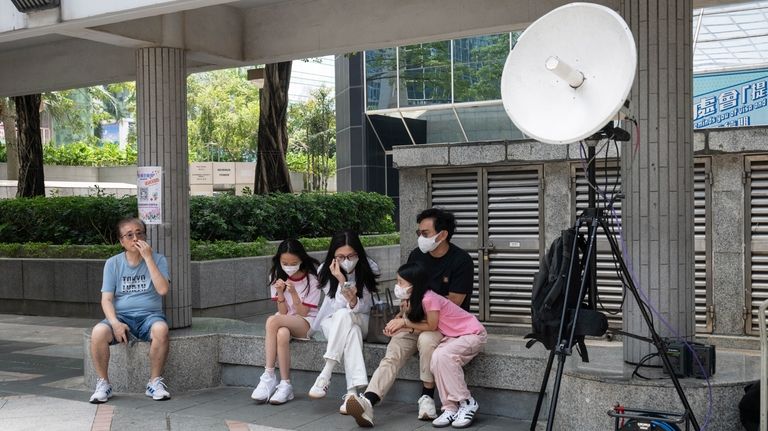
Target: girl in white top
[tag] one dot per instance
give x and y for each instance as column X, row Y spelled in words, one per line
column 295, row 290
column 348, row 278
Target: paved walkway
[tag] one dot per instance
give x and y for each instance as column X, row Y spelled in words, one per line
column 41, row 388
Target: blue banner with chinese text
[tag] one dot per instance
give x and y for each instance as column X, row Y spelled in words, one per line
column 730, row 99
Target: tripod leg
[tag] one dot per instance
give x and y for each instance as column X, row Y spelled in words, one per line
column 656, row 339
column 564, row 345
column 542, row 390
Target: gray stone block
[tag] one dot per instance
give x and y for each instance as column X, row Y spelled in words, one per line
column 94, row 281
column 192, row 364
column 218, row 282
column 39, row 279
column 700, row 141
column 460, row 155
column 738, row 139
column 70, row 280
column 419, row 155
column 534, row 150
column 11, row 282
column 728, row 292
column 557, row 200
column 414, row 195
column 727, row 232
column 727, row 173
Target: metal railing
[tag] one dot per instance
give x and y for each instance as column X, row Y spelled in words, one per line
column 763, row 366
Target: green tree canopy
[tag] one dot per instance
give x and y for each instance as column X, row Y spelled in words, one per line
column 223, row 114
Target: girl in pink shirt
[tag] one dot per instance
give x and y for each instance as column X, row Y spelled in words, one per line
column 464, row 337
column 295, row 290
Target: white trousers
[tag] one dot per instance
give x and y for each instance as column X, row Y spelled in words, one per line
column 344, row 333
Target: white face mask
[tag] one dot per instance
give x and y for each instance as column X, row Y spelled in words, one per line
column 402, row 292
column 428, row 244
column 290, row 269
column 349, row 264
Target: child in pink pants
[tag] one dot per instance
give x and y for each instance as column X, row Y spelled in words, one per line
column 464, row 337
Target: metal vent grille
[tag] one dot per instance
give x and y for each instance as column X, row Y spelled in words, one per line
column 609, row 286
column 757, row 214
column 26, row 6
column 458, row 192
column 514, row 246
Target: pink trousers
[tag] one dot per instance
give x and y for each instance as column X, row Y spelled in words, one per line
column 447, row 364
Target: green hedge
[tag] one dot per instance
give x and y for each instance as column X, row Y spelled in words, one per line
column 199, row 250
column 91, row 219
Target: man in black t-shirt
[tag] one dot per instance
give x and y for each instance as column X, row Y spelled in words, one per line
column 451, row 273
column 450, row 268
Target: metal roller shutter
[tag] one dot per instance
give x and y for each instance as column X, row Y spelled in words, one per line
column 609, row 287
column 513, row 241
column 756, row 218
column 458, row 191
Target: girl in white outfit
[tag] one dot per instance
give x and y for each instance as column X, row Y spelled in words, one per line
column 348, row 279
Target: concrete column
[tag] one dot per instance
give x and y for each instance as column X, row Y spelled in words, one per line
column 658, row 178
column 161, row 111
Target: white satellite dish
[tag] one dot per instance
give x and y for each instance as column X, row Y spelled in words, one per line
column 569, row 73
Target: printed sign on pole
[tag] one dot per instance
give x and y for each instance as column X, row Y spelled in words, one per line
column 150, row 189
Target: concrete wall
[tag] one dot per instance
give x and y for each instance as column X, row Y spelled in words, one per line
column 232, row 288
column 726, row 149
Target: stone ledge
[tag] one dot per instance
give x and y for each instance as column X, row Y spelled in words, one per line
column 215, row 342
column 221, row 351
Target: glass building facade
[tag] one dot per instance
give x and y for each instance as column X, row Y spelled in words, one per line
column 446, row 91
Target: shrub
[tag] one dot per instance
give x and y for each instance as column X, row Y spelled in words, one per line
column 94, row 153
column 92, row 219
column 199, row 250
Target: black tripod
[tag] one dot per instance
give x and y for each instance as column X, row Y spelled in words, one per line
column 593, row 218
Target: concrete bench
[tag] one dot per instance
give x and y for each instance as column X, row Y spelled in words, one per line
column 505, row 378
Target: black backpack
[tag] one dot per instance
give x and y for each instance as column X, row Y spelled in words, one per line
column 548, row 296
column 749, row 407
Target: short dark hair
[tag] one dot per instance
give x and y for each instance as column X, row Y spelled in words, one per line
column 442, row 219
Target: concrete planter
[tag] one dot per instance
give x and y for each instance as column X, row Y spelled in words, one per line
column 231, row 288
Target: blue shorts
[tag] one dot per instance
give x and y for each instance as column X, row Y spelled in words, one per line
column 139, row 325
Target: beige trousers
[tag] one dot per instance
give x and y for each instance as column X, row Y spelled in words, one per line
column 400, row 348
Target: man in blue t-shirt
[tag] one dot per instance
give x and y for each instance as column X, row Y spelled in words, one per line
column 131, row 296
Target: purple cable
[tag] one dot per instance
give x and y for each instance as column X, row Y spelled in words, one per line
column 645, row 297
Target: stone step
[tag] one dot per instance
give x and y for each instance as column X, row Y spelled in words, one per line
column 505, row 377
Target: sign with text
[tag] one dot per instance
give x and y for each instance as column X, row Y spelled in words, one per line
column 150, row 194
column 224, row 173
column 730, row 99
column 201, row 173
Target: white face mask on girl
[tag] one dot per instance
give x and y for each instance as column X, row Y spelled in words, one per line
column 402, row 292
column 290, row 269
column 428, row 244
column 349, row 264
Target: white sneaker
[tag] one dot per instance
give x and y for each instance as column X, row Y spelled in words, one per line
column 445, row 419
column 283, row 393
column 102, row 393
column 427, row 410
column 265, row 389
column 157, row 390
column 343, row 408
column 319, row 389
column 360, row 408
column 466, row 414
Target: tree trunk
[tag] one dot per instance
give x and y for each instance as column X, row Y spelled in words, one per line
column 271, row 169
column 30, row 145
column 8, row 118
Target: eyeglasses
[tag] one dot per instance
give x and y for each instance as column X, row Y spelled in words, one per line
column 132, row 235
column 349, row 256
column 425, row 233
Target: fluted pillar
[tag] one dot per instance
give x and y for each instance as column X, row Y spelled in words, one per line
column 161, row 111
column 658, row 179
